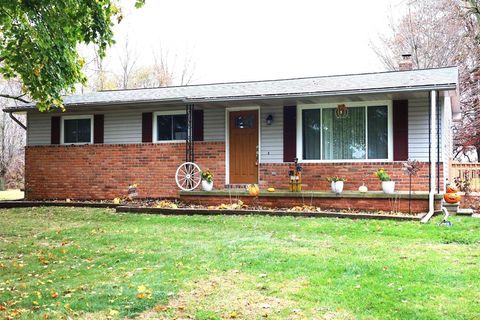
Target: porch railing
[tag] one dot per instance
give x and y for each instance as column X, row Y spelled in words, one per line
column 466, row 171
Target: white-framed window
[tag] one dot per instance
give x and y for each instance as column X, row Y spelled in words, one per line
column 169, row 126
column 365, row 134
column 77, row 129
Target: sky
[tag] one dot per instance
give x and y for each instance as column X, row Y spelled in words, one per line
column 232, row 40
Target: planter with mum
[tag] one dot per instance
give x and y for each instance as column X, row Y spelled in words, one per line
column 207, row 180
column 337, row 183
column 388, row 186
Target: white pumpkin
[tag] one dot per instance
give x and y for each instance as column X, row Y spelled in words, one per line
column 363, row 188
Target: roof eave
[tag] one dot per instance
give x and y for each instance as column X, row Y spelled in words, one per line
column 448, row 86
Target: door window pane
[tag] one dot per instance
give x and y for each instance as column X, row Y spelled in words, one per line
column 77, row 131
column 378, row 132
column 311, row 134
column 343, row 138
column 244, row 122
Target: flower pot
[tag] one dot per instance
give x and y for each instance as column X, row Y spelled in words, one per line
column 207, row 186
column 337, row 186
column 388, row 187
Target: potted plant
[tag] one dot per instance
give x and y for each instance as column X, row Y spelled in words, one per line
column 388, row 186
column 207, row 180
column 337, row 183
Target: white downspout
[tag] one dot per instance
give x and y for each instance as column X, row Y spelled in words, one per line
column 433, row 160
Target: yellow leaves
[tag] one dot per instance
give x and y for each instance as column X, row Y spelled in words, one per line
column 37, row 70
column 232, row 206
column 81, row 61
column 143, row 292
column 113, row 312
column 304, row 208
column 116, row 201
column 166, row 204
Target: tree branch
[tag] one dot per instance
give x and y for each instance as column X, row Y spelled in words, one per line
column 18, row 98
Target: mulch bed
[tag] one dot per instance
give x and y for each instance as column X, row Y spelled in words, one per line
column 270, row 212
column 471, row 202
column 175, row 207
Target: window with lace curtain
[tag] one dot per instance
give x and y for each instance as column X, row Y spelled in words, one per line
column 362, row 134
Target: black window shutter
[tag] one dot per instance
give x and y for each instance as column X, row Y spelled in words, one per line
column 289, row 133
column 198, row 125
column 147, row 126
column 98, row 131
column 55, row 130
column 400, row 130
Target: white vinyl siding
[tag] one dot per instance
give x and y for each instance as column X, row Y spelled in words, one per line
column 271, row 136
column 214, row 124
column 121, row 126
column 38, row 128
column 418, row 129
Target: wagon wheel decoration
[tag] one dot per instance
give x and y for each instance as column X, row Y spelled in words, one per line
column 188, row 176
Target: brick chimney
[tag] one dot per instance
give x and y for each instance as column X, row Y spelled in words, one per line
column 406, row 63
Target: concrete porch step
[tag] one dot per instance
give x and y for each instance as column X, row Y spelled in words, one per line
column 465, row 212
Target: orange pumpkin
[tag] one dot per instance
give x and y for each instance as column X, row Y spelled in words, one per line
column 253, row 190
column 451, row 189
column 451, row 197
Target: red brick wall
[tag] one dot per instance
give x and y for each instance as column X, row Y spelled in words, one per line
column 314, row 175
column 105, row 171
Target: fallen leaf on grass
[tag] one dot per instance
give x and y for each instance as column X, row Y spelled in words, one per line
column 113, row 312
column 160, row 308
column 143, row 292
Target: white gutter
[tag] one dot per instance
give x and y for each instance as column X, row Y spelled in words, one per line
column 433, row 153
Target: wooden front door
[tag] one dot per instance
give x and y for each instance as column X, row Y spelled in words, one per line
column 243, row 153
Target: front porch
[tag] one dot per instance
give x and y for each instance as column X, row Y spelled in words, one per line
column 348, row 201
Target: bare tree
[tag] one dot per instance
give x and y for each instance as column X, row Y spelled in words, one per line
column 166, row 70
column 439, row 33
column 432, row 31
column 128, row 59
column 12, row 141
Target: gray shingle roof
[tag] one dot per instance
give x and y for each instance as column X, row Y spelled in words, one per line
column 394, row 81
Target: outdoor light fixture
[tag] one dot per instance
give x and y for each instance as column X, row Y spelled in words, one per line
column 269, row 120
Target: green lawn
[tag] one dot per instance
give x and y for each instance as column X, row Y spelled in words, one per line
column 12, row 194
column 96, row 264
